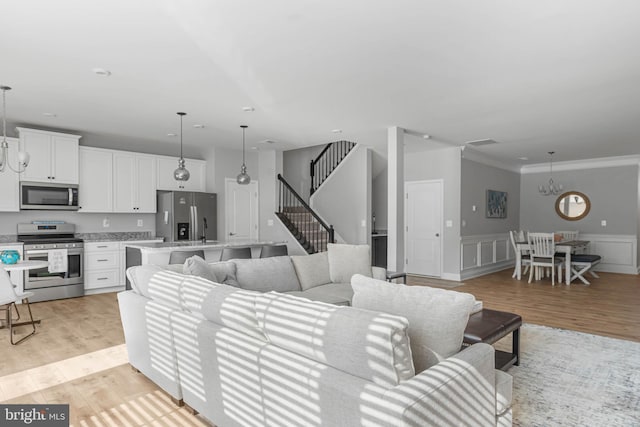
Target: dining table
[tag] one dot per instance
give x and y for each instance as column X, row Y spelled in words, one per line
column 566, row 247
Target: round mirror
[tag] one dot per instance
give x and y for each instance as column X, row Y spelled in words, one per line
column 573, row 205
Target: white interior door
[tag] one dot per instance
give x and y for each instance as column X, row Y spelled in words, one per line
column 423, row 210
column 241, row 211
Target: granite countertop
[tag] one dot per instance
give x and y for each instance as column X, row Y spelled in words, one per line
column 197, row 244
column 9, row 238
column 121, row 236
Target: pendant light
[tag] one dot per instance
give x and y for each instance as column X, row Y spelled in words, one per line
column 243, row 178
column 23, row 157
column 552, row 189
column 181, row 174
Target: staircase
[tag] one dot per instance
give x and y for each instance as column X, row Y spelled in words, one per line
column 304, row 224
column 326, row 162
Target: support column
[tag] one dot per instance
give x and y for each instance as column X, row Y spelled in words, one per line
column 395, row 203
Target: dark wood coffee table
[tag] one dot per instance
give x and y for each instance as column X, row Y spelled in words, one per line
column 489, row 326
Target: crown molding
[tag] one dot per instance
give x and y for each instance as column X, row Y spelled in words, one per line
column 603, row 162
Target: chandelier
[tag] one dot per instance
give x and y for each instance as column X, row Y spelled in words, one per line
column 552, row 189
column 23, row 157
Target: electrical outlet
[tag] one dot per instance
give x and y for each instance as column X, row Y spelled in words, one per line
column 105, row 223
column 449, row 223
column 270, row 223
column 603, row 223
column 140, row 223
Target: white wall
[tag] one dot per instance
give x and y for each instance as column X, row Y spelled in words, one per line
column 84, row 222
column 344, row 199
column 442, row 164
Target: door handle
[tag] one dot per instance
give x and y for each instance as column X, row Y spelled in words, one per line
column 437, row 234
column 232, row 234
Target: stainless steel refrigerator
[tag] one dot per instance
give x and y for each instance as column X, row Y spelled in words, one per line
column 186, row 215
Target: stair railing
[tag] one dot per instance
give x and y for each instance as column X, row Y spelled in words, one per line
column 326, row 162
column 290, row 202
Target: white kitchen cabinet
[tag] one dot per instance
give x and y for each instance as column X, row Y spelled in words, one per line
column 197, row 169
column 54, row 156
column 95, row 192
column 10, row 181
column 134, row 182
column 101, row 266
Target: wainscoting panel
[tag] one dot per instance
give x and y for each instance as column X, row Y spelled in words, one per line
column 484, row 254
column 619, row 252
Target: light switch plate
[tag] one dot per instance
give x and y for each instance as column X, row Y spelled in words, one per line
column 270, row 222
column 140, row 223
column 449, row 223
column 105, row 223
column 603, row 223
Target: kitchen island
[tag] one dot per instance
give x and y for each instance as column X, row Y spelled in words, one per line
column 158, row 253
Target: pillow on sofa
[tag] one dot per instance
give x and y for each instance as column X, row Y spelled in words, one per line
column 347, row 260
column 267, row 274
column 196, row 266
column 367, row 344
column 312, row 270
column 437, row 317
column 225, row 271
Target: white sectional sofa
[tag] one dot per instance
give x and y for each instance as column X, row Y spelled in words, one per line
column 245, row 357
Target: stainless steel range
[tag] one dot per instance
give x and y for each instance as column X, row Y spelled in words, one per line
column 55, row 244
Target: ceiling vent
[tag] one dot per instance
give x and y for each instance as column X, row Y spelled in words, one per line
column 480, row 142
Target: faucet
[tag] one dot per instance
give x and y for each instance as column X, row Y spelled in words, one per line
column 204, row 230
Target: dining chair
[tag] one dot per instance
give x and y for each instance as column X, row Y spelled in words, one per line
column 179, row 257
column 235, row 253
column 543, row 254
column 268, row 251
column 568, row 236
column 8, row 300
column 525, row 259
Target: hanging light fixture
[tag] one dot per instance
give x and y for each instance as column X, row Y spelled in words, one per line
column 181, row 174
column 23, row 157
column 243, row 178
column 552, row 188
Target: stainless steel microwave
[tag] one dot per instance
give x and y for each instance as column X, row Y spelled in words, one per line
column 48, row 196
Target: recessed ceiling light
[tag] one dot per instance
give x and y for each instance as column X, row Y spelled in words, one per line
column 102, row 72
column 49, row 114
column 267, row 141
column 426, row 136
column 337, row 131
column 523, row 158
column 172, row 134
column 198, row 126
column 248, row 109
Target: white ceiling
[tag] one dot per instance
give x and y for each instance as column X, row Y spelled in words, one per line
column 534, row 75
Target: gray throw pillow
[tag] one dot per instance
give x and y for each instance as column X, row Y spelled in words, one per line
column 437, row 317
column 312, row 270
column 196, row 266
column 225, row 271
column 347, row 260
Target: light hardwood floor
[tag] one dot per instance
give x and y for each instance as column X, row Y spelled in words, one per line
column 609, row 306
column 78, row 355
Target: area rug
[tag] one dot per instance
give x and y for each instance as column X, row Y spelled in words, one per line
column 569, row 378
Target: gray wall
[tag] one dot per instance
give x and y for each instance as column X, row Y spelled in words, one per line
column 442, row 164
column 296, row 169
column 344, row 200
column 477, row 178
column 613, row 193
column 379, row 202
column 224, row 163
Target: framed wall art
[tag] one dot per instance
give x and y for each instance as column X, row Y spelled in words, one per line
column 496, row 204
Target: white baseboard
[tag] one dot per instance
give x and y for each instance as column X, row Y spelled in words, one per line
column 472, row 273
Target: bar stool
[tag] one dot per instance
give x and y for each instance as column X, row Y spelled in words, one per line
column 179, row 257
column 273, row 250
column 235, row 253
